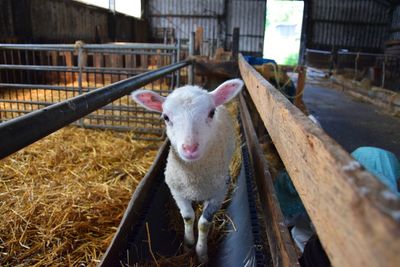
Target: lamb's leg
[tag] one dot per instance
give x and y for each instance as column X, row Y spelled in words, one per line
column 210, row 208
column 187, row 212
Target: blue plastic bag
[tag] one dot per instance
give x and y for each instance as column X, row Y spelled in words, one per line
column 258, row 60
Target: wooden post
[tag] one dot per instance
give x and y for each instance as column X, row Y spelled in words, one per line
column 235, row 43
column 99, row 63
column 191, row 53
column 301, row 81
column 69, row 62
column 356, row 217
column 198, row 41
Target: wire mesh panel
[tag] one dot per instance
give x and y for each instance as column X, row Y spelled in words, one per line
column 35, row 76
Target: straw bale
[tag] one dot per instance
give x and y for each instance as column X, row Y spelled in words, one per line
column 62, row 198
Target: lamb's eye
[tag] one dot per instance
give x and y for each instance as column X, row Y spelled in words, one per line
column 165, row 117
column 212, row 113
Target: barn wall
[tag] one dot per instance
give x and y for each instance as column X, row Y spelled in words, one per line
column 65, row 21
column 356, row 25
column 249, row 16
column 184, row 16
column 395, row 27
column 217, row 17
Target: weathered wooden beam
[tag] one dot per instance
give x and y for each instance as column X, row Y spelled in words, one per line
column 356, row 217
column 281, row 245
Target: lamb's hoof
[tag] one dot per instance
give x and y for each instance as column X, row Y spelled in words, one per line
column 203, row 259
column 188, row 245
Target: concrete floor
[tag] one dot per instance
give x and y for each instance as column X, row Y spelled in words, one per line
column 350, row 122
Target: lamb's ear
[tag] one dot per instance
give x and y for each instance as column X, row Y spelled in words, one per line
column 226, row 91
column 148, row 99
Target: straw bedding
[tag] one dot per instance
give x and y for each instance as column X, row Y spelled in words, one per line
column 62, row 198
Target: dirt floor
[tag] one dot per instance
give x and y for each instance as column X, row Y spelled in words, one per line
column 350, row 122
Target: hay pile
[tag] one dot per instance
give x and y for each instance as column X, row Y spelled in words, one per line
column 62, row 198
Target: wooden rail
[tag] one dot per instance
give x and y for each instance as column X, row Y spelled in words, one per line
column 357, row 219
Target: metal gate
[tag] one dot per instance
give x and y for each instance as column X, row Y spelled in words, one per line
column 35, row 76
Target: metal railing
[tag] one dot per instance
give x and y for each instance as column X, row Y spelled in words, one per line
column 24, row 130
column 36, row 76
column 381, row 69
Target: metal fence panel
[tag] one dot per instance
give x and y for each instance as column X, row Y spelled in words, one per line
column 35, row 76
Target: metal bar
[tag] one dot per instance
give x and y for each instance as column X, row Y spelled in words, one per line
column 208, row 16
column 367, row 22
column 87, row 46
column 124, row 128
column 350, row 53
column 123, row 118
column 129, row 46
column 178, row 54
column 100, row 69
column 38, row 67
column 22, row 131
column 16, row 111
column 129, row 51
column 41, row 86
column 80, row 74
column 44, row 103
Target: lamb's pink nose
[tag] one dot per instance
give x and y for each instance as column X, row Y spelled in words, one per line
column 190, row 149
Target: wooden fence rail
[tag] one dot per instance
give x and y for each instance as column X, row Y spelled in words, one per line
column 356, row 217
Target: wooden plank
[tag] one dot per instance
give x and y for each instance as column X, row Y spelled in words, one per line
column 356, row 217
column 281, row 245
column 99, row 63
column 69, row 63
column 116, row 62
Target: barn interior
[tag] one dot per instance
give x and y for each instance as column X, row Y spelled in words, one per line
column 81, row 164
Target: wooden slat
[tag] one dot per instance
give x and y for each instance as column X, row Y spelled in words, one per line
column 356, row 217
column 281, row 245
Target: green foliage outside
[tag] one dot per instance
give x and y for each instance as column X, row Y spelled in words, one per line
column 281, row 43
column 291, row 59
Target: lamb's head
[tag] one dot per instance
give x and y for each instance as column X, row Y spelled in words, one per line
column 189, row 113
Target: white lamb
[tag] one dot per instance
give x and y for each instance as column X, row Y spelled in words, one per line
column 202, row 145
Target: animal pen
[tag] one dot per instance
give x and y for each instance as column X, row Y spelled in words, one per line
column 355, row 216
column 380, row 69
column 37, row 76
